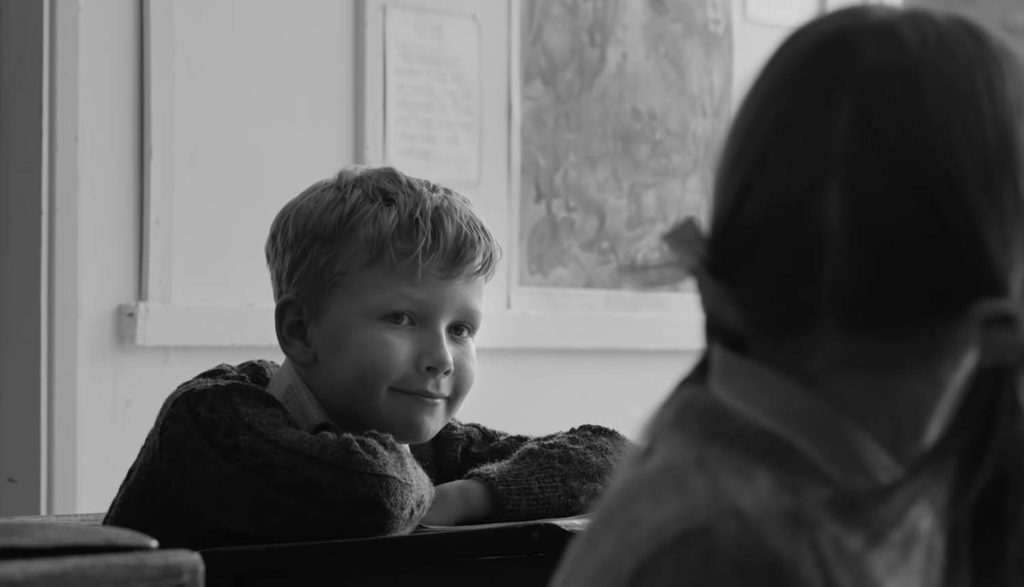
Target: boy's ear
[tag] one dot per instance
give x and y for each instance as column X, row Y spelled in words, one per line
column 291, row 321
column 1000, row 328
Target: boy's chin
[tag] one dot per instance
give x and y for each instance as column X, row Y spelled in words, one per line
column 417, row 433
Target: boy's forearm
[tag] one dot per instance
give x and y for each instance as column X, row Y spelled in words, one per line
column 527, row 477
column 557, row 475
column 465, row 501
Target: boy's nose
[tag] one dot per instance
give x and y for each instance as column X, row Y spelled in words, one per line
column 436, row 360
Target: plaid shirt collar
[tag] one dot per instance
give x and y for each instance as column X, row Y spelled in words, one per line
column 291, row 390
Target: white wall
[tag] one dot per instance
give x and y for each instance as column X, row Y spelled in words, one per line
column 118, row 386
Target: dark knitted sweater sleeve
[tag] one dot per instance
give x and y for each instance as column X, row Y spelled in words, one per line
column 225, row 464
column 529, row 477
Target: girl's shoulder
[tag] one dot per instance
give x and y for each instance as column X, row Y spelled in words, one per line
column 700, row 464
column 679, row 504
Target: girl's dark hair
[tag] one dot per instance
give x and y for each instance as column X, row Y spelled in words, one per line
column 872, row 175
column 872, row 182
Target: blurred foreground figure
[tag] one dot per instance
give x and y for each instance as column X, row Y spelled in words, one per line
column 855, row 417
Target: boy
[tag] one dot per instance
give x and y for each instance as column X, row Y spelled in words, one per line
column 378, row 279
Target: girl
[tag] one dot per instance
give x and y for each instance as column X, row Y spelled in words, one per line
column 855, row 417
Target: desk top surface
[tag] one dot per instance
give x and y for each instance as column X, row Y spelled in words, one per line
column 427, row 545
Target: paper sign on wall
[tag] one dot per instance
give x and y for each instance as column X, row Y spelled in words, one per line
column 432, row 95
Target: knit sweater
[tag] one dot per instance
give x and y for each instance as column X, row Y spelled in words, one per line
column 226, row 464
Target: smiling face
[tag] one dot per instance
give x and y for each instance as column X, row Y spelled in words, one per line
column 395, row 352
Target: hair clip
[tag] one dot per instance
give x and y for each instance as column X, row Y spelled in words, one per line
column 687, row 242
column 678, row 256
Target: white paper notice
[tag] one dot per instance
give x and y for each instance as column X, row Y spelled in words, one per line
column 432, row 95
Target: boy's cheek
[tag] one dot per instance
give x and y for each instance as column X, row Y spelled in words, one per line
column 466, row 377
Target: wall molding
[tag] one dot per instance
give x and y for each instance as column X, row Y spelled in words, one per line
column 153, row 324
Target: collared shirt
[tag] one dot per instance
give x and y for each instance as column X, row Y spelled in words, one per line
column 747, row 478
column 291, row 390
column 837, row 445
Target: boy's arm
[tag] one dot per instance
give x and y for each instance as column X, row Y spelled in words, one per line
column 525, row 477
column 224, row 465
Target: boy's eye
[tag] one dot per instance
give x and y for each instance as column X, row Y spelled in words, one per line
column 462, row 330
column 399, row 319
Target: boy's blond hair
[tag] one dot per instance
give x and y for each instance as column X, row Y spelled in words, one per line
column 367, row 215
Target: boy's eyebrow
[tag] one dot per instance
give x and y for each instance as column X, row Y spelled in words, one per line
column 413, row 294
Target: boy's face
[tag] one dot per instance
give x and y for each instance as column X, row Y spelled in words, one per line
column 393, row 352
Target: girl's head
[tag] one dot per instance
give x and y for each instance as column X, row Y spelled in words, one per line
column 872, row 177
column 872, row 186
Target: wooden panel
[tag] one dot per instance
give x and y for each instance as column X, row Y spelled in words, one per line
column 23, row 255
column 246, row 103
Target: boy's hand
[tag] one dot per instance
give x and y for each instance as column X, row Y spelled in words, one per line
column 465, row 501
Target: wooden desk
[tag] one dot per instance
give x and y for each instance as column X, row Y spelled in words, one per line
column 152, row 568
column 45, row 551
column 520, row 555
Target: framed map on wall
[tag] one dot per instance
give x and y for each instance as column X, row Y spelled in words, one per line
column 618, row 108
